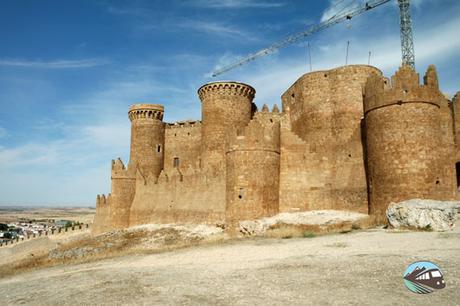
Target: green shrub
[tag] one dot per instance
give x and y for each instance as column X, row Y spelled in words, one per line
column 309, row 234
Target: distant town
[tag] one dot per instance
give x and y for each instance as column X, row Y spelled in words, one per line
column 22, row 223
column 25, row 228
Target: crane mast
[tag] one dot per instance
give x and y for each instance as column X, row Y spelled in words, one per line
column 407, row 44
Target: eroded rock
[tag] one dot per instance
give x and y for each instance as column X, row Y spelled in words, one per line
column 320, row 218
column 423, row 214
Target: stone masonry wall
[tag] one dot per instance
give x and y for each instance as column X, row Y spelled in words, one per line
column 409, row 155
column 123, row 188
column 325, row 110
column 102, row 220
column 456, row 110
column 253, row 166
column 147, row 138
column 179, row 198
column 226, row 106
column 183, row 141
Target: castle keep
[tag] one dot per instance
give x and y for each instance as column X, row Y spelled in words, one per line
column 346, row 139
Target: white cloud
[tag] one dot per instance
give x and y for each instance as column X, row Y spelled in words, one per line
column 213, row 28
column 54, row 64
column 338, row 7
column 209, row 28
column 223, row 61
column 235, row 4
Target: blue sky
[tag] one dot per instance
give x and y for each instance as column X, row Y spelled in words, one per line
column 70, row 69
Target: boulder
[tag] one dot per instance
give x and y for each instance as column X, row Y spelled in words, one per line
column 423, row 214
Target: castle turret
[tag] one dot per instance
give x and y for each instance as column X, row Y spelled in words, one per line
column 147, row 138
column 102, row 221
column 146, row 156
column 253, row 167
column 409, row 147
column 123, row 190
column 325, row 109
column 226, row 106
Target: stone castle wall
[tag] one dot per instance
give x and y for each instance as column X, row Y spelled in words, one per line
column 178, row 198
column 183, row 144
column 253, row 167
column 325, row 110
column 410, row 151
column 456, row 111
column 147, row 138
column 226, row 106
column 347, row 139
column 102, row 220
column 123, row 189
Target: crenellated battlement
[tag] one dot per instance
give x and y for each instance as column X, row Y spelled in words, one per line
column 146, row 111
column 404, row 87
column 118, row 165
column 226, row 88
column 261, row 133
column 265, row 116
column 183, row 124
column 173, row 177
column 119, row 171
column 103, row 201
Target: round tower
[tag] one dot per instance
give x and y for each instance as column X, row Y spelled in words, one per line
column 325, row 109
column 408, row 154
column 225, row 106
column 147, row 138
column 253, row 170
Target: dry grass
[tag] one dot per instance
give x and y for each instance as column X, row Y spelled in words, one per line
column 286, row 231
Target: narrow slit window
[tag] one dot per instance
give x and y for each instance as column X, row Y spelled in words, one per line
column 176, row 162
column 457, row 168
column 159, row 148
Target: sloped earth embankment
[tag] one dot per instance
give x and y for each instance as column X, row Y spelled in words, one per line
column 50, row 251
column 358, row 268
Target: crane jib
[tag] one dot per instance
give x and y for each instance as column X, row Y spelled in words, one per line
column 299, row 36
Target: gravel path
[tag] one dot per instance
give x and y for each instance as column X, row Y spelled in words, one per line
column 358, row 268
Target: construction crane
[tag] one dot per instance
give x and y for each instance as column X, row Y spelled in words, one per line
column 407, row 44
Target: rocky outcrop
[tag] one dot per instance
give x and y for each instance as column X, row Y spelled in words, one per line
column 316, row 220
column 423, row 214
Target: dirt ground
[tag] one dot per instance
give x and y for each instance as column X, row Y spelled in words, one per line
column 357, row 268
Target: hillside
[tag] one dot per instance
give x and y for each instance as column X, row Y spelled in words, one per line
column 361, row 267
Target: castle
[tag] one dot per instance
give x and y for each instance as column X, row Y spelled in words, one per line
column 346, row 139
